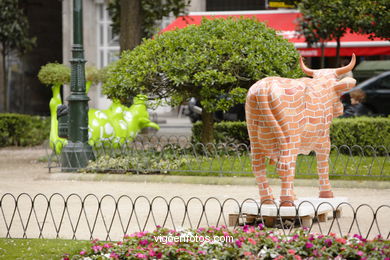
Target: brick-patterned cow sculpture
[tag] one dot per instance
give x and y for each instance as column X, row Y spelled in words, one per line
column 287, row 117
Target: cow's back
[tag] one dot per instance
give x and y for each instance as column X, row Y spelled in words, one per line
column 275, row 111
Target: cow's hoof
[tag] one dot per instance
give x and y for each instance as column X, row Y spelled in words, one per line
column 268, row 201
column 326, row 194
column 286, row 201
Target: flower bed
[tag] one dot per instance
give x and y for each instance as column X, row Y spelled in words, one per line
column 245, row 242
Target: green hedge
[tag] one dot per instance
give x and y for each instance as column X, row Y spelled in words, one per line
column 362, row 131
column 23, row 130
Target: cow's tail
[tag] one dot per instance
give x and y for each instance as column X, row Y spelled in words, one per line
column 273, row 124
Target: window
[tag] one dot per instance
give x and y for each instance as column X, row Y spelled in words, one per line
column 384, row 83
column 108, row 43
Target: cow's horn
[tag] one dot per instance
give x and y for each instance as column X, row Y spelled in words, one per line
column 348, row 68
column 305, row 69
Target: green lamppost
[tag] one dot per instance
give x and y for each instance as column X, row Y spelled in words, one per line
column 78, row 152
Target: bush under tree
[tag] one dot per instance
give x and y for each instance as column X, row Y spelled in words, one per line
column 215, row 62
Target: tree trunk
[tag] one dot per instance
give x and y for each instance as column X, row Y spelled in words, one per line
column 130, row 24
column 3, row 84
column 208, row 127
column 338, row 62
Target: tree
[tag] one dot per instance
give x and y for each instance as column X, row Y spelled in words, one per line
column 324, row 21
column 215, row 62
column 136, row 19
column 13, row 37
column 372, row 18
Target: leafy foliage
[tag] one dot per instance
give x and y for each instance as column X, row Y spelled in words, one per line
column 54, row 74
column 221, row 57
column 361, row 131
column 215, row 62
column 92, row 74
column 152, row 11
column 246, row 242
column 135, row 162
column 23, row 130
column 324, row 21
column 14, row 28
column 372, row 18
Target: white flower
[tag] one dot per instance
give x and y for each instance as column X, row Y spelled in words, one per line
column 263, row 252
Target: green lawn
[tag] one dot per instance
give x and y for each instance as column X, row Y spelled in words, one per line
column 185, row 162
column 39, row 248
column 341, row 167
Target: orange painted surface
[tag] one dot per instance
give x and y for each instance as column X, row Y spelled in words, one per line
column 287, row 117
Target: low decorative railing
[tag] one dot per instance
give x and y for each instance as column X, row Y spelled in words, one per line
column 178, row 155
column 87, row 217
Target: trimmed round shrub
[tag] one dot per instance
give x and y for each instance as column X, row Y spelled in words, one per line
column 54, row 74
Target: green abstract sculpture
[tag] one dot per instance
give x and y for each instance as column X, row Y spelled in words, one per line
column 115, row 125
column 55, row 75
column 119, row 123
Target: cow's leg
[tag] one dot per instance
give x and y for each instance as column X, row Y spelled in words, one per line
column 259, row 170
column 253, row 119
column 286, row 171
column 323, row 173
column 259, row 167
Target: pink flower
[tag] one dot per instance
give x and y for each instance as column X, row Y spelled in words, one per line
column 250, row 240
column 202, row 252
column 297, row 257
column 238, row 243
column 107, row 246
column 328, row 242
column 83, row 252
column 308, row 245
column 119, row 243
column 360, row 253
column 245, row 228
column 275, row 239
column 152, row 253
column 261, row 226
column 247, row 253
column 140, row 234
column 341, row 240
column 97, row 248
column 279, row 257
column 139, row 255
column 144, row 242
column 114, row 255
column 291, row 251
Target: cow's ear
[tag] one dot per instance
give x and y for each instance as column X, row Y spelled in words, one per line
column 345, row 84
